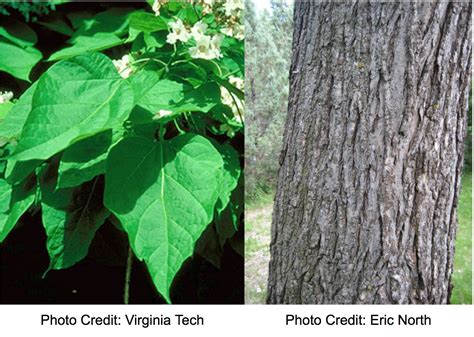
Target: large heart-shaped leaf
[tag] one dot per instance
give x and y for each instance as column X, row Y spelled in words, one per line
column 75, row 98
column 164, row 195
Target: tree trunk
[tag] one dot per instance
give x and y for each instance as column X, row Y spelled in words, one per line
column 365, row 210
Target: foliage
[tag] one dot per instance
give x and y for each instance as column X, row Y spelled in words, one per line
column 268, row 40
column 149, row 141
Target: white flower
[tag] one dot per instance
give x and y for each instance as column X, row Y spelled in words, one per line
column 5, row 96
column 178, row 32
column 203, row 45
column 207, row 48
column 236, row 31
column 233, row 7
column 198, row 30
column 156, row 7
column 123, row 66
column 162, row 113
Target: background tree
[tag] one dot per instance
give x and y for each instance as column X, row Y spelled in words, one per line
column 267, row 58
column 365, row 210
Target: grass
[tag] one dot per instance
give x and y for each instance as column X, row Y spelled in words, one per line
column 462, row 276
column 258, row 215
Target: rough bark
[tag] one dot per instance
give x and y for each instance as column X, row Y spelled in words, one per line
column 365, row 210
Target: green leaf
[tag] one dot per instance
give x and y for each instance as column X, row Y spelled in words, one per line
column 101, row 32
column 230, row 173
column 228, row 209
column 193, row 74
column 17, row 171
column 227, row 221
column 18, row 61
column 113, row 21
column 188, row 14
column 157, row 39
column 176, row 97
column 164, row 195
column 5, row 195
column 164, row 95
column 84, row 160
column 76, row 98
column 147, row 22
column 201, row 99
column 142, row 82
column 85, row 44
column 174, row 6
column 18, row 33
column 19, row 198
column 70, row 217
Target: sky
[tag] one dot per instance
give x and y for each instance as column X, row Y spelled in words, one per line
column 261, row 4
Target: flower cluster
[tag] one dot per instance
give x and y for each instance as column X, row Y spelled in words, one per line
column 235, row 30
column 124, row 66
column 234, row 7
column 207, row 47
column 233, row 27
column 5, row 96
column 178, row 32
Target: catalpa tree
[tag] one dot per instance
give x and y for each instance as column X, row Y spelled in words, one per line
column 145, row 141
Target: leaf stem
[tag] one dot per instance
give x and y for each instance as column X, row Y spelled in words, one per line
column 128, row 274
column 178, row 128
